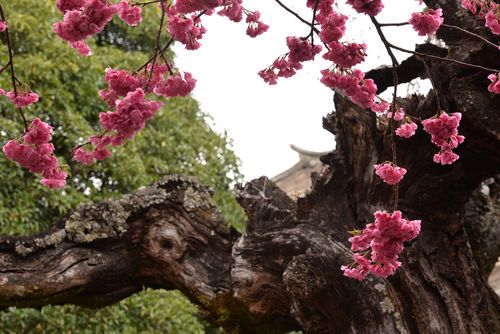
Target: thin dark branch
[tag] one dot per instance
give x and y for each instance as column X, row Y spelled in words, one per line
column 297, row 16
column 471, row 34
column 169, row 43
column 11, row 64
column 146, row 3
column 432, row 82
column 157, row 45
column 395, row 65
column 315, row 9
column 450, row 60
column 393, row 24
column 384, row 40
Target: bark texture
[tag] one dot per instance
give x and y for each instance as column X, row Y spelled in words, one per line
column 283, row 272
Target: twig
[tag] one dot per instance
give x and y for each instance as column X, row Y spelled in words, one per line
column 384, row 40
column 169, row 43
column 297, row 16
column 157, row 45
column 471, row 34
column 393, row 24
column 395, row 64
column 432, row 82
column 450, row 60
column 146, row 3
column 315, row 9
column 11, row 65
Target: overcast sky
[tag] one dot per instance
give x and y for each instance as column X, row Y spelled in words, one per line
column 264, row 120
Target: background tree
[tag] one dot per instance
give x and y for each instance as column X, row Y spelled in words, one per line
column 179, row 141
column 282, row 273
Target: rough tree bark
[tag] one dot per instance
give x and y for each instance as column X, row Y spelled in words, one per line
column 283, row 272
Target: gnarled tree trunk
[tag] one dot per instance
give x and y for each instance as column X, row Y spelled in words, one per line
column 283, row 272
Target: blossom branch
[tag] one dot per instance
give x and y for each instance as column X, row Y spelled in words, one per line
column 395, row 64
column 450, row 60
column 157, row 45
column 301, row 19
column 146, row 3
column 432, row 82
column 399, row 24
column 471, row 34
column 169, row 43
column 11, row 65
column 311, row 33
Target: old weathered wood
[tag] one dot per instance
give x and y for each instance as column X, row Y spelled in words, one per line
column 283, row 272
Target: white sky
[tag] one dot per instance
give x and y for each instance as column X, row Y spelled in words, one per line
column 264, row 120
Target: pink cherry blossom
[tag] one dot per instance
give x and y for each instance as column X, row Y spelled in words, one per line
column 398, row 115
column 233, row 10
column 131, row 15
column 22, row 98
column 185, row 30
column 444, row 133
column 35, row 153
column 176, row 85
column 269, row 76
column 82, row 48
column 380, row 107
column 323, row 5
column 493, row 21
column 54, row 178
column 346, row 54
column 286, row 69
column 390, row 173
column 77, row 25
column 121, row 82
column 384, row 240
column 301, row 50
column 38, row 133
column 332, row 27
column 442, row 128
column 131, row 114
column 494, row 87
column 445, row 157
column 3, row 26
column 406, row 130
column 66, row 5
column 189, row 6
column 369, row 7
column 347, row 81
column 255, row 26
column 427, row 22
column 365, row 93
column 83, row 156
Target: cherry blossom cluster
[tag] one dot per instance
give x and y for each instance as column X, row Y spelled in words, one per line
column 188, row 29
column 389, row 172
column 487, row 10
column 407, row 128
column 300, row 50
column 84, row 18
column 378, row 245
column 126, row 96
column 494, row 87
column 21, row 98
column 427, row 22
column 444, row 133
column 35, row 153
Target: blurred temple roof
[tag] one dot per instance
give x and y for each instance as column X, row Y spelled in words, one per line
column 296, row 181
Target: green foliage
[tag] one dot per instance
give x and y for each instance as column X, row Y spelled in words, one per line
column 150, row 311
column 177, row 140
